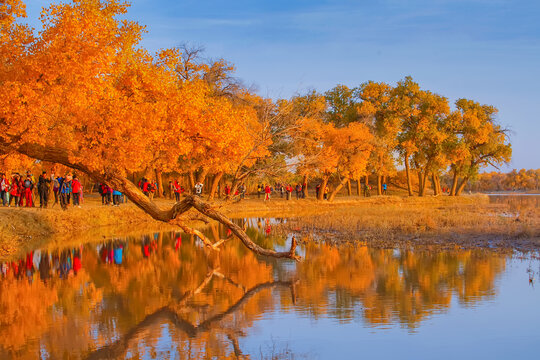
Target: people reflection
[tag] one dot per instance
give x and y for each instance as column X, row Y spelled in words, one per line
column 118, row 252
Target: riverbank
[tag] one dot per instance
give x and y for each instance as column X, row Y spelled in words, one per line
column 386, row 221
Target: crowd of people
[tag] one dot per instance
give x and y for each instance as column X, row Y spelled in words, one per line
column 24, row 190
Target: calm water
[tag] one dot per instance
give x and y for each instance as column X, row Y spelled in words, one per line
column 162, row 295
column 516, row 202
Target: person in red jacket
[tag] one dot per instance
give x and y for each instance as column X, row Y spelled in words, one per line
column 76, row 188
column 267, row 191
column 178, row 190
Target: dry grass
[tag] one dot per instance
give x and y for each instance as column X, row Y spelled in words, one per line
column 465, row 222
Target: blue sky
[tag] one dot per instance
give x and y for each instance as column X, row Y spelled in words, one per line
column 486, row 50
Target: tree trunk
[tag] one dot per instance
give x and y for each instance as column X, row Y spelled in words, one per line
column 434, row 184
column 159, row 179
column 191, row 178
column 462, row 185
column 366, row 179
column 358, row 188
column 304, row 185
column 215, row 182
column 336, row 190
column 424, row 183
column 420, row 177
column 408, row 172
column 323, row 187
column 379, row 185
column 454, row 184
column 349, row 189
column 201, row 175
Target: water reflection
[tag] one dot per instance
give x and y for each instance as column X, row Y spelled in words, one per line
column 163, row 295
column 516, row 202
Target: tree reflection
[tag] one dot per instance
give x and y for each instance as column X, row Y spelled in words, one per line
column 162, row 294
column 392, row 286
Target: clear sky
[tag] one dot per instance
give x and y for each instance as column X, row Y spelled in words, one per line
column 486, row 50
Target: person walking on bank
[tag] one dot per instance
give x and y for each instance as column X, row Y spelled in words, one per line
column 43, row 189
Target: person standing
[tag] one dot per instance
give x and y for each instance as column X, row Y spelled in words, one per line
column 177, row 190
column 55, row 187
column 151, row 187
column 116, row 197
column 76, row 188
column 289, row 191
column 267, row 191
column 15, row 191
column 298, row 191
column 4, row 189
column 27, row 192
column 242, row 189
column 384, row 187
column 43, row 189
column 65, row 192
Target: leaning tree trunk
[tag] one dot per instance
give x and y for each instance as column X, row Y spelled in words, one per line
column 215, row 183
column 338, row 188
column 128, row 188
column 454, row 184
column 462, row 185
column 323, row 187
column 379, row 185
column 408, row 172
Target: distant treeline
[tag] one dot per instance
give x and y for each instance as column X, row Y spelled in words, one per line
column 515, row 180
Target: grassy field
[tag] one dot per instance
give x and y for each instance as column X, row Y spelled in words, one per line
column 386, row 221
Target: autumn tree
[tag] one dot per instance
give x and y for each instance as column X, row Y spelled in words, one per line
column 478, row 141
column 374, row 110
column 85, row 95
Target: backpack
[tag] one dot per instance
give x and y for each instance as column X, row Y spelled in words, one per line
column 27, row 184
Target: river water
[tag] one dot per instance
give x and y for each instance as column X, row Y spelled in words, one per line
column 162, row 295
